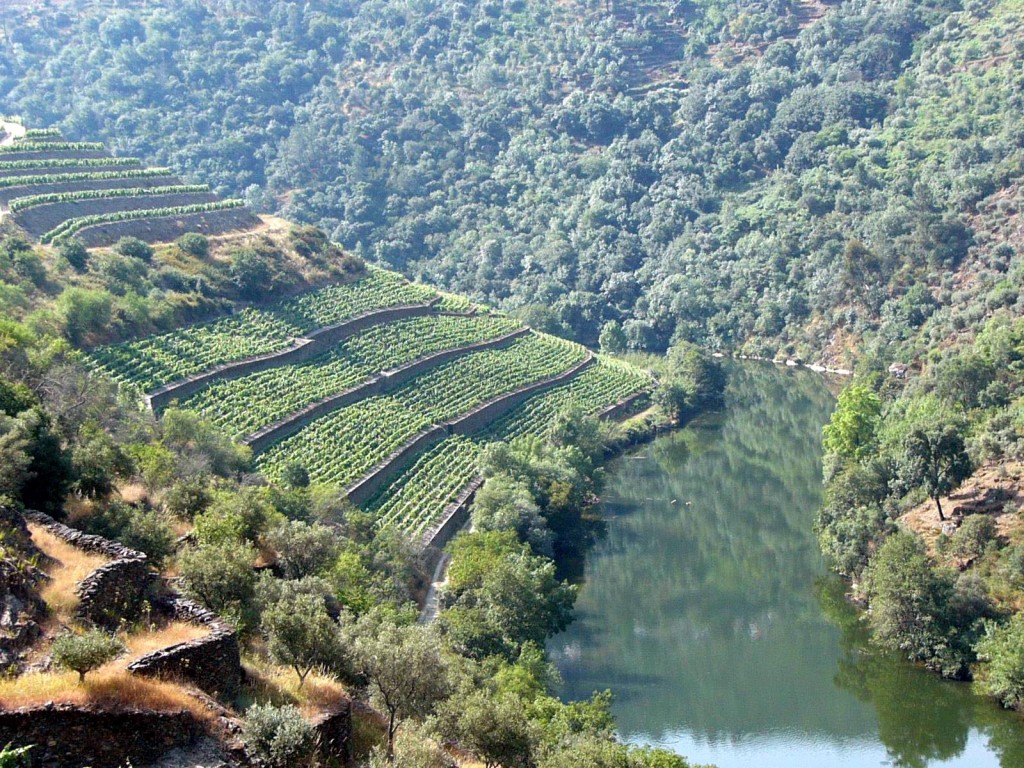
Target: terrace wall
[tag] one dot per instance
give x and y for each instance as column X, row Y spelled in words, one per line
column 9, row 193
column 624, row 407
column 10, row 172
column 306, row 348
column 455, row 516
column 164, row 229
column 116, row 590
column 70, row 736
column 54, row 154
column 364, row 489
column 40, row 219
column 212, row 663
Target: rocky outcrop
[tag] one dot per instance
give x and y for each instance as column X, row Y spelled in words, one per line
column 20, row 604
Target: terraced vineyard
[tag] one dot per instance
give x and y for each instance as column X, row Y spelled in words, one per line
column 458, row 386
column 343, row 446
column 100, row 198
column 241, row 406
column 152, row 362
column 417, row 499
column 332, row 453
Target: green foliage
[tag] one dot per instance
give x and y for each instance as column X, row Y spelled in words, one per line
column 303, row 549
column 221, row 577
column 972, row 537
column 279, row 736
column 301, row 635
column 15, row 757
column 75, row 254
column 135, row 527
column 850, row 434
column 1002, row 650
column 85, row 652
column 22, row 203
column 192, row 243
column 937, row 460
column 691, row 381
column 70, row 226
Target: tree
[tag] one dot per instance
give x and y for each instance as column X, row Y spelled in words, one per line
column 938, row 460
column 249, row 271
column 304, row 549
column 850, row 432
column 503, row 504
column 195, row 244
column 221, row 577
column 407, row 671
column 493, row 726
column 301, row 635
column 134, row 248
column 86, row 652
column 279, row 736
column 612, row 338
column 1002, row 648
column 294, row 475
column 75, row 253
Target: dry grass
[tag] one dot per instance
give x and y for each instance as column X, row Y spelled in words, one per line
column 141, row 643
column 113, row 688
column 67, row 566
column 280, row 686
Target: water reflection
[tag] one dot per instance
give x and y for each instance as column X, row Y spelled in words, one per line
column 705, row 608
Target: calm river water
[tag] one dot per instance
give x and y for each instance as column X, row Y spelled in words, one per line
column 709, row 613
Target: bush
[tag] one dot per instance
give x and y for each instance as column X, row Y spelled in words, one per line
column 195, row 244
column 132, row 246
column 135, row 527
column 75, row 254
column 86, row 652
column 972, row 537
column 279, row 736
column 221, row 577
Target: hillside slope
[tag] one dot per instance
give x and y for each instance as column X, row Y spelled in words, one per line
column 766, row 177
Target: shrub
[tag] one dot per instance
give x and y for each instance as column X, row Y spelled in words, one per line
column 972, row 537
column 86, row 652
column 279, row 736
column 132, row 246
column 194, row 243
column 135, row 527
column 75, row 254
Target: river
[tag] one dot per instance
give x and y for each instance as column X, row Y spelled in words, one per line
column 708, row 611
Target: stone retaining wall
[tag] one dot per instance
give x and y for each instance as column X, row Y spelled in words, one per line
column 387, row 381
column 623, row 407
column 313, row 344
column 455, row 516
column 365, row 488
column 70, row 736
column 116, row 590
column 212, row 663
column 333, row 733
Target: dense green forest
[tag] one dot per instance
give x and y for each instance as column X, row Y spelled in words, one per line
column 777, row 177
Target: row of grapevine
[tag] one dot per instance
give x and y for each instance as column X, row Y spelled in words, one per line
column 460, row 385
column 151, row 362
column 52, row 146
column 39, row 133
column 71, row 226
column 242, row 406
column 337, row 303
column 67, row 162
column 31, row 201
column 63, row 178
column 596, row 388
column 418, row 498
column 345, row 445
column 154, row 361
column 325, row 446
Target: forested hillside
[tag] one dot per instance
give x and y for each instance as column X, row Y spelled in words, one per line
column 773, row 177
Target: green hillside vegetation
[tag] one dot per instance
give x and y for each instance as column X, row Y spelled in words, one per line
column 779, row 178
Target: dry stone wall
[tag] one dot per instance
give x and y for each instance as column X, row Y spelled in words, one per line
column 71, row 736
column 212, row 663
column 116, row 591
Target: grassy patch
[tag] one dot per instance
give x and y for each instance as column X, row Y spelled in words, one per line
column 279, row 686
column 67, row 566
column 145, row 642
column 107, row 687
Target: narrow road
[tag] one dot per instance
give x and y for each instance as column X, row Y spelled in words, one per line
column 437, row 581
